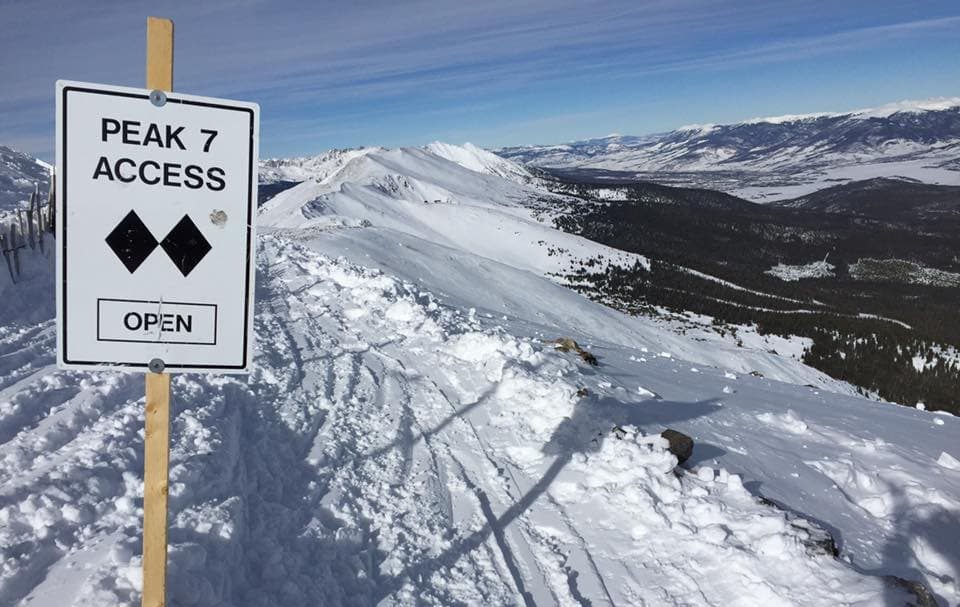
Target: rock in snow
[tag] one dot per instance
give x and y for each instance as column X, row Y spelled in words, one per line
column 409, row 436
column 681, row 445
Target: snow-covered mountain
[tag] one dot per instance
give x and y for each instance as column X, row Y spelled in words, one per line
column 309, row 167
column 412, row 434
column 19, row 174
column 779, row 157
column 322, row 166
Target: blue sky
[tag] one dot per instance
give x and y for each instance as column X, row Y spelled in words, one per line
column 494, row 73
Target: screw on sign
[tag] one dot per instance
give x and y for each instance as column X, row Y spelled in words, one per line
column 151, row 275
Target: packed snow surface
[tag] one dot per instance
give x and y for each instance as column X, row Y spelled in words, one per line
column 411, row 435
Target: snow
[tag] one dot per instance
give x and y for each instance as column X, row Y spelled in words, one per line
column 948, row 461
column 791, row 273
column 419, row 193
column 933, row 104
column 883, row 111
column 477, row 159
column 411, row 435
column 785, row 118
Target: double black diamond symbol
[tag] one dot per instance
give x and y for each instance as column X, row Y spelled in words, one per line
column 132, row 242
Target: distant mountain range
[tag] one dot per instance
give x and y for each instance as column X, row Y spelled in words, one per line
column 775, row 158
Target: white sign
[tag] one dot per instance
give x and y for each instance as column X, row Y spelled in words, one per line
column 156, row 204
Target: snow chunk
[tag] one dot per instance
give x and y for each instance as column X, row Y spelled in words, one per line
column 788, row 421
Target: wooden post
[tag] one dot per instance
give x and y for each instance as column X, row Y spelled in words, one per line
column 156, row 459
column 156, row 453
column 30, row 217
column 6, row 255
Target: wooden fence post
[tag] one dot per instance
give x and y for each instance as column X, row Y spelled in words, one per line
column 15, row 250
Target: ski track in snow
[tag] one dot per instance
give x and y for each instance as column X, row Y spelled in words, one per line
column 389, row 449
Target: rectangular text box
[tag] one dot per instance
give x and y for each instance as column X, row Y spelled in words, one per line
column 167, row 322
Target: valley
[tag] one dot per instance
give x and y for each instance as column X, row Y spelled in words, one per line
column 836, row 274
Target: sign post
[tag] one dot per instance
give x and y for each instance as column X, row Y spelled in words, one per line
column 156, row 196
column 156, row 439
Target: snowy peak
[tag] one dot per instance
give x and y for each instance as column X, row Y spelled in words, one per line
column 937, row 104
column 477, row 159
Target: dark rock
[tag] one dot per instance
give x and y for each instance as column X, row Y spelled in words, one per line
column 922, row 595
column 681, row 445
column 817, row 540
column 588, row 358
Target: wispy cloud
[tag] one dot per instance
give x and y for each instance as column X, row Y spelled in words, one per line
column 311, row 63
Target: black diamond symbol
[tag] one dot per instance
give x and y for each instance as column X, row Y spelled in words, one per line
column 131, row 241
column 185, row 245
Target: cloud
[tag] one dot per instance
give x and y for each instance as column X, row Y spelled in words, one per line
column 344, row 61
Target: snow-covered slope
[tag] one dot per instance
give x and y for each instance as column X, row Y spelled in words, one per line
column 780, row 157
column 414, row 191
column 477, row 159
column 439, row 203
column 19, row 174
column 411, row 435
